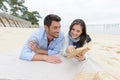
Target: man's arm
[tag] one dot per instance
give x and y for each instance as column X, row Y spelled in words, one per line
column 26, row 52
column 36, row 56
column 41, row 55
column 57, row 46
column 50, row 59
column 34, row 47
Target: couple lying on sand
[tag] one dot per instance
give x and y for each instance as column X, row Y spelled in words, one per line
column 48, row 41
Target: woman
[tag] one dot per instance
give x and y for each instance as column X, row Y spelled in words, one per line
column 81, row 63
column 76, row 38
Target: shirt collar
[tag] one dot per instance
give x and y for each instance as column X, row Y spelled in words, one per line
column 45, row 37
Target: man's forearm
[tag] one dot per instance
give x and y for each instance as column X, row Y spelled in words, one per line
column 39, row 57
column 51, row 59
column 34, row 47
column 41, row 51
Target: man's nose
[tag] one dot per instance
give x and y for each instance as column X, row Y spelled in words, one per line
column 58, row 30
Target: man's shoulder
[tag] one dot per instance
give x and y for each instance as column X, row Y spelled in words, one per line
column 38, row 33
column 39, row 30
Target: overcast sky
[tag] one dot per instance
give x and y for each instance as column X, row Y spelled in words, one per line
column 91, row 11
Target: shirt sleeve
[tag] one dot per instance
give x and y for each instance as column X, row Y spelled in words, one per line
column 27, row 53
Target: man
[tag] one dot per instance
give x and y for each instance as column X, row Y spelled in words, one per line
column 45, row 42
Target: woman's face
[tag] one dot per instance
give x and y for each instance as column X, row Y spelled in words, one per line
column 76, row 31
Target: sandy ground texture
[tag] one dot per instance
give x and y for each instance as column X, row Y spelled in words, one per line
column 105, row 52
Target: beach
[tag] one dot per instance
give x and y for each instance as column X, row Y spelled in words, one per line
column 105, row 51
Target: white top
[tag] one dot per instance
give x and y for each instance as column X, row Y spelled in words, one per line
column 65, row 45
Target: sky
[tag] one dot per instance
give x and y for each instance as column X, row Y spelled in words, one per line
column 91, row 11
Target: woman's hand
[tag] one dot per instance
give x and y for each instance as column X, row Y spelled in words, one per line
column 70, row 49
column 80, row 56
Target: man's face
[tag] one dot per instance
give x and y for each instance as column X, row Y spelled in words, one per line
column 54, row 29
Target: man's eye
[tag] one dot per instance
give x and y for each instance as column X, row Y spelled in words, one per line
column 56, row 27
column 78, row 31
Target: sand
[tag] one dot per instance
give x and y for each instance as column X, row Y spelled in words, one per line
column 105, row 52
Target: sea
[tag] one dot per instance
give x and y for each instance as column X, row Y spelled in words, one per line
column 100, row 29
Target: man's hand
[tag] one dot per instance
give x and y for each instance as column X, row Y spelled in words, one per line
column 52, row 59
column 33, row 46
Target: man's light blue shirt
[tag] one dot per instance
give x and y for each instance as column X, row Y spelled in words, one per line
column 41, row 39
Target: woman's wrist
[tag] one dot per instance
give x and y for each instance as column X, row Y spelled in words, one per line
column 82, row 59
